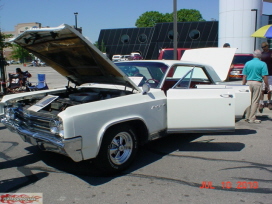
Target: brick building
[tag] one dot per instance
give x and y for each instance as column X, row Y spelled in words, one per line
column 18, row 29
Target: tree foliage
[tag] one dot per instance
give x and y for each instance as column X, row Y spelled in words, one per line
column 150, row 18
column 187, row 15
column 101, row 47
column 20, row 53
column 3, row 40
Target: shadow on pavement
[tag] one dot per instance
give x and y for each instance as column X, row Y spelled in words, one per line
column 14, row 184
column 213, row 147
column 86, row 171
column 2, row 127
column 264, row 117
column 237, row 132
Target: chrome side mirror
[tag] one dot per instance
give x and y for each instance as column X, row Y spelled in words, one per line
column 146, row 88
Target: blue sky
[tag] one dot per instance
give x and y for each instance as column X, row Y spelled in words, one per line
column 94, row 15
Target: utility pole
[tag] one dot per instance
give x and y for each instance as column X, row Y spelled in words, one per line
column 80, row 28
column 256, row 18
column 76, row 13
column 175, row 35
column 2, row 65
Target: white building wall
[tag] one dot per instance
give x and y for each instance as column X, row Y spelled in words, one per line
column 237, row 23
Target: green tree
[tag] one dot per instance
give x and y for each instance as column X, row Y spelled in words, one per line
column 3, row 42
column 20, row 53
column 101, row 47
column 188, row 15
column 150, row 18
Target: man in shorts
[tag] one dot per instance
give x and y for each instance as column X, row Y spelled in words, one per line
column 267, row 58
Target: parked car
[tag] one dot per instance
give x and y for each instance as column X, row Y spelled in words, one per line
column 125, row 58
column 43, row 64
column 13, row 62
column 109, row 112
column 36, row 63
column 116, row 58
column 238, row 64
column 135, row 56
column 168, row 53
column 6, row 63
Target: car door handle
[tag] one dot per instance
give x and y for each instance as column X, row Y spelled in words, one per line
column 226, row 95
column 244, row 90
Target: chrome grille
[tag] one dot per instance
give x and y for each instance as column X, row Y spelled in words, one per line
column 35, row 121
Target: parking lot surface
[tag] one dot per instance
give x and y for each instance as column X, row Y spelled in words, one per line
column 53, row 78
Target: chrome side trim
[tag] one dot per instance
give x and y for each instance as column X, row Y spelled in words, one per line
column 48, row 142
column 200, row 130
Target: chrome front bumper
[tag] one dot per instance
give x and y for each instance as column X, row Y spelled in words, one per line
column 69, row 147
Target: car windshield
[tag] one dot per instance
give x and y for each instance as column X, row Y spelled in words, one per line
column 146, row 71
column 241, row 59
column 168, row 54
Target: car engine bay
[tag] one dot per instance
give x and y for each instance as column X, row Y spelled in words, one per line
column 65, row 98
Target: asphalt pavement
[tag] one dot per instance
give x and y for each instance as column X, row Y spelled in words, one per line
column 214, row 168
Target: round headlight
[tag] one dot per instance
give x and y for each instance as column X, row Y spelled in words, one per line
column 54, row 123
column 7, row 115
column 61, row 130
column 54, row 130
column 10, row 114
column 56, row 127
column 61, row 133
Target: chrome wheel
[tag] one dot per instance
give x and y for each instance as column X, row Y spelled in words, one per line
column 120, row 148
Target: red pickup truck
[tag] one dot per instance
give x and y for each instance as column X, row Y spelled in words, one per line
column 168, row 53
column 237, row 66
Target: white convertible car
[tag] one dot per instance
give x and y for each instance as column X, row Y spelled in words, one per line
column 113, row 108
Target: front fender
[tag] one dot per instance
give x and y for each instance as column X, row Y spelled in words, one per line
column 91, row 120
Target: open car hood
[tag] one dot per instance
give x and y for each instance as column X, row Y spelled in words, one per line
column 218, row 58
column 68, row 52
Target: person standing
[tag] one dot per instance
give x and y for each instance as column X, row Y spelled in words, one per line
column 226, row 45
column 254, row 73
column 267, row 58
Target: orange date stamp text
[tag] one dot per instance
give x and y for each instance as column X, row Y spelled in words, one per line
column 229, row 185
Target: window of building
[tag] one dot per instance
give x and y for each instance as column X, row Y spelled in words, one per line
column 125, row 38
column 171, row 34
column 194, row 34
column 142, row 38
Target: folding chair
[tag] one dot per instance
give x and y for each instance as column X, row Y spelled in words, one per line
column 40, row 85
column 15, row 85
